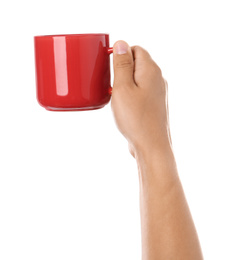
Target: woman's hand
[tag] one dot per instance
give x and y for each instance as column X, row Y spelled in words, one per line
column 139, row 98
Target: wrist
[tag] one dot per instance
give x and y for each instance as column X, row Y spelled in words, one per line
column 155, row 160
column 153, row 141
column 149, row 150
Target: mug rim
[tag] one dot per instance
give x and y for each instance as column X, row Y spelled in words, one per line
column 71, row 35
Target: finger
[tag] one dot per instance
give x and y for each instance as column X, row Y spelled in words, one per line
column 146, row 69
column 140, row 53
column 123, row 64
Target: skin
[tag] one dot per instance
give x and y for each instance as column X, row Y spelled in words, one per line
column 140, row 108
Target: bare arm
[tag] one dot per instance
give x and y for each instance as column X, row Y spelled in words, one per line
column 139, row 104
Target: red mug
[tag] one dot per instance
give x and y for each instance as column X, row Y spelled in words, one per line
column 73, row 71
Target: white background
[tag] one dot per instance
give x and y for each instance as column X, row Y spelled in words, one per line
column 68, row 185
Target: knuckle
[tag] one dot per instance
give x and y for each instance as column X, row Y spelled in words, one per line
column 166, row 83
column 154, row 69
column 157, row 68
column 124, row 64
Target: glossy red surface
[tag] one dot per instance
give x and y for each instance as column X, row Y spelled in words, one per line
column 72, row 71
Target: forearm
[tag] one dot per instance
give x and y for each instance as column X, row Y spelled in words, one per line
column 167, row 228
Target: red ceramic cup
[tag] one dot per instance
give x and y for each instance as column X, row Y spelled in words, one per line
column 73, row 71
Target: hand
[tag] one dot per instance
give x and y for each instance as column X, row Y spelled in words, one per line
column 139, row 104
column 139, row 98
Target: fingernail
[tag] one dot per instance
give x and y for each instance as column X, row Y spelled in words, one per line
column 121, row 47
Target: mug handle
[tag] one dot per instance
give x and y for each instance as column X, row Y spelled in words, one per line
column 109, row 51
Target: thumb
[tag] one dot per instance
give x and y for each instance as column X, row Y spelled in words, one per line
column 123, row 63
